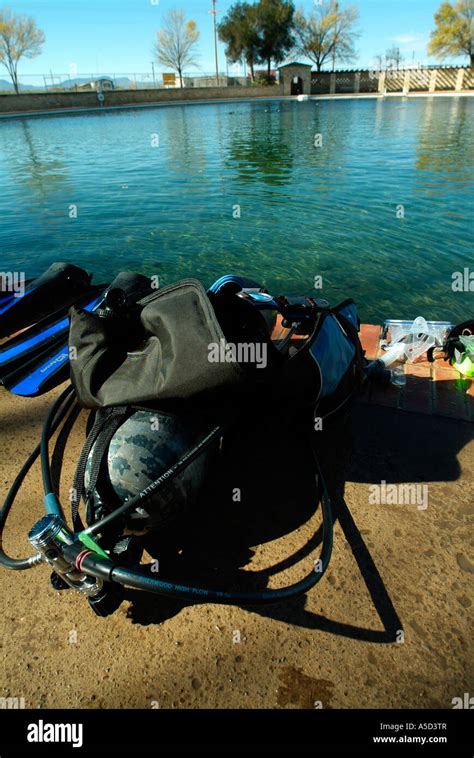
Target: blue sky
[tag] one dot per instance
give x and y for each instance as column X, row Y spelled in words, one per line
column 116, row 36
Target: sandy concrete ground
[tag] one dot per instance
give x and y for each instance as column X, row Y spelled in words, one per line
column 394, row 567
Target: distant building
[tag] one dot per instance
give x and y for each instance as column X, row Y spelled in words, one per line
column 295, row 78
column 205, row 81
column 103, row 84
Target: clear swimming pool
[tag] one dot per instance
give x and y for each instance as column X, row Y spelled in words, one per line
column 380, row 205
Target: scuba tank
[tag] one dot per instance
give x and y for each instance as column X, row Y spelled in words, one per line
column 123, row 462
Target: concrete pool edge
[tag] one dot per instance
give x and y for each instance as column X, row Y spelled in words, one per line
column 279, row 98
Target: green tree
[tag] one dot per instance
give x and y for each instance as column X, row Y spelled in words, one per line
column 275, row 30
column 327, row 33
column 19, row 38
column 239, row 31
column 175, row 43
column 454, row 33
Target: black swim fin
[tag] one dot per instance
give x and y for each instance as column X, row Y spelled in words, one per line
column 27, row 303
column 43, row 336
column 50, row 367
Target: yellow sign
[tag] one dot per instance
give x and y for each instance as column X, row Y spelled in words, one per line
column 169, row 80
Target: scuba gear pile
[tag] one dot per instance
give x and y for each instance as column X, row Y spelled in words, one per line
column 161, row 406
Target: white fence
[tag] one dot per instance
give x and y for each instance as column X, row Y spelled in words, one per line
column 394, row 80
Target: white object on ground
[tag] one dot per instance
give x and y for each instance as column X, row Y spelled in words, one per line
column 393, row 353
column 419, row 339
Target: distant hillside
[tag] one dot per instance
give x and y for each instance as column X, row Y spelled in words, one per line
column 122, row 82
column 7, row 86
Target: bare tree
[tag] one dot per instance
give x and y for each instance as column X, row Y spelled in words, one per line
column 379, row 62
column 175, row 43
column 343, row 48
column 328, row 32
column 19, row 38
column 393, row 57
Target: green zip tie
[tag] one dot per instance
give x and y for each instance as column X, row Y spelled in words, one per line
column 60, row 538
column 89, row 542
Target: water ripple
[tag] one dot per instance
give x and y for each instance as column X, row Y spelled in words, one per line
column 382, row 210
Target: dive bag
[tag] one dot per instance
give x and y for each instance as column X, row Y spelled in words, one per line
column 132, row 362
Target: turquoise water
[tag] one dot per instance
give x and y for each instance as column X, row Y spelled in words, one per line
column 305, row 211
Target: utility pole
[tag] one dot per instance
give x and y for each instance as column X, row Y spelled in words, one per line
column 153, row 69
column 335, row 37
column 214, row 13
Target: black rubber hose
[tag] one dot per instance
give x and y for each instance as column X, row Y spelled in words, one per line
column 20, row 564
column 46, row 436
column 105, row 569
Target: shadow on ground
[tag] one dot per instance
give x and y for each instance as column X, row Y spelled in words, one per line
column 274, row 470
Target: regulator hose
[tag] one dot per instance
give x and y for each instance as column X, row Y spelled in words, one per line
column 55, row 418
column 96, row 566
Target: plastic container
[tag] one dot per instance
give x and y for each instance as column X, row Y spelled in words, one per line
column 398, row 377
column 395, row 329
column 416, row 336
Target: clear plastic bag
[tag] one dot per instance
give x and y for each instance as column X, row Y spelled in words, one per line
column 417, row 336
